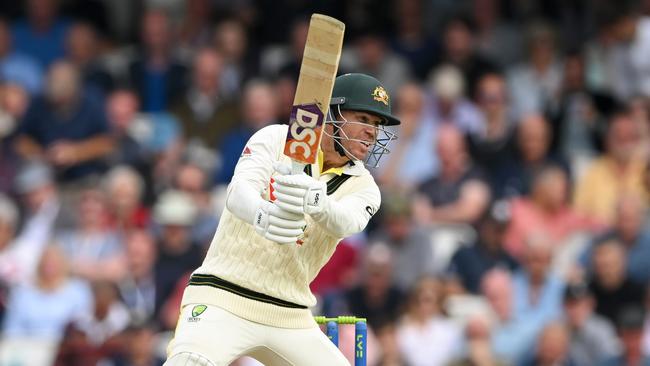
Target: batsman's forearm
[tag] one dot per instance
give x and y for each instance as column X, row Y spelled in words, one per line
column 350, row 215
column 242, row 200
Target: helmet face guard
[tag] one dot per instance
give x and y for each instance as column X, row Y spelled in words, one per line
column 377, row 149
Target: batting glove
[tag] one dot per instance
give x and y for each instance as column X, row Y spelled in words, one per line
column 299, row 193
column 278, row 225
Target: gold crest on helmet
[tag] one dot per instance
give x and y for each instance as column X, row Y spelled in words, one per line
column 380, row 95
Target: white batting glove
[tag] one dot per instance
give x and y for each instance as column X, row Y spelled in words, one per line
column 278, row 225
column 298, row 193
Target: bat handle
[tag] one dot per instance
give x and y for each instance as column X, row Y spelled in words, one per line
column 297, row 167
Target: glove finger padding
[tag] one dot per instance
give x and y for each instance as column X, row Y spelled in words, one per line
column 277, row 211
column 281, row 239
column 289, row 190
column 296, row 210
column 287, row 224
column 278, row 225
column 289, row 199
column 295, row 180
column 280, row 231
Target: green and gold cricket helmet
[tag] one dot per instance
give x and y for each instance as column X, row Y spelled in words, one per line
column 361, row 92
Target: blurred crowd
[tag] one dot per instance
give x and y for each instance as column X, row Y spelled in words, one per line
column 513, row 228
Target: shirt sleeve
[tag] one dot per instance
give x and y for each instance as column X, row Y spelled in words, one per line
column 100, row 125
column 351, row 213
column 253, row 172
column 15, row 320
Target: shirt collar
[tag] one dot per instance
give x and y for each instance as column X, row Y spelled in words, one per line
column 353, row 167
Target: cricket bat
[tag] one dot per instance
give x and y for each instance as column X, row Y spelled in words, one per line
column 320, row 63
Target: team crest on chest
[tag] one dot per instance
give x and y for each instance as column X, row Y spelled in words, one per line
column 380, row 95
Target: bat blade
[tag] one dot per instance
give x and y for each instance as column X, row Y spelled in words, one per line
column 314, row 90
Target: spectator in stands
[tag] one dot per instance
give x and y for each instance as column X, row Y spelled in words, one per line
column 537, row 290
column 140, row 347
column 629, row 324
column 375, row 58
column 298, row 37
column 146, row 142
column 448, row 105
column 168, row 314
column 43, row 213
column 9, row 221
column 195, row 28
column 410, row 245
column 193, row 180
column 496, row 38
column 76, row 348
column 342, row 270
column 639, row 109
column 533, row 141
column 16, row 67
column 155, row 73
column 458, row 193
column 618, row 171
column 66, row 127
column 495, row 143
column 580, row 118
column 138, row 287
column 389, row 346
column 376, row 297
column 511, row 335
column 82, row 50
column 10, row 262
column 240, row 56
column 411, row 39
column 284, row 88
column 131, row 131
column 93, row 248
column 109, row 316
column 546, row 211
column 459, row 49
column 205, row 115
column 593, row 338
column 631, row 31
column 42, row 34
column 471, row 262
column 630, row 230
column 13, row 104
column 125, row 188
column 535, row 85
column 552, row 347
column 612, row 288
column 423, row 325
column 478, row 350
column 398, row 170
column 258, row 110
column 175, row 211
column 42, row 308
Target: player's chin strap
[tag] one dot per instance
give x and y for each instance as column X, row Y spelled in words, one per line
column 378, row 147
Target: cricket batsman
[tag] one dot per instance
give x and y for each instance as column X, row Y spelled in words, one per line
column 251, row 295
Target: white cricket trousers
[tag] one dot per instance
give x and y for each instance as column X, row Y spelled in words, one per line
column 217, row 337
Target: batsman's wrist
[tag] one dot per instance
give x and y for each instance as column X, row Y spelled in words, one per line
column 315, row 199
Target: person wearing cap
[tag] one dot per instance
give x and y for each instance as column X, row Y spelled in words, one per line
column 251, row 296
column 630, row 322
column 470, row 262
column 178, row 254
column 593, row 338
